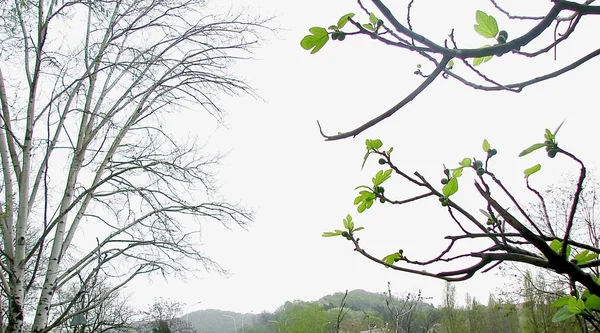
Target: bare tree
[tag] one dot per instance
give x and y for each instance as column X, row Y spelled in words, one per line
column 402, row 309
column 342, row 312
column 165, row 315
column 85, row 87
column 163, row 310
column 103, row 311
column 551, row 216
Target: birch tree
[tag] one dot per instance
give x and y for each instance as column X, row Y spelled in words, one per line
column 87, row 162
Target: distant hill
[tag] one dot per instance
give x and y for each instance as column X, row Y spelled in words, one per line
column 217, row 321
column 360, row 300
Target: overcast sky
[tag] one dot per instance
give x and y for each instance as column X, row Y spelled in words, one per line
column 301, row 185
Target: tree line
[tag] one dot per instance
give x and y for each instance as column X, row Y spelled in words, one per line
column 360, row 311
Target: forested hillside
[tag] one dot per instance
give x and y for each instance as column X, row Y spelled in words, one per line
column 360, row 310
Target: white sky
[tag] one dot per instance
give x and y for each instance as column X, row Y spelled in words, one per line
column 301, row 185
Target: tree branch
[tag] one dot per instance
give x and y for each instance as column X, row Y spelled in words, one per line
column 392, row 110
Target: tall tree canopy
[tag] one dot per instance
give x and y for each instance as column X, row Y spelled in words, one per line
column 93, row 184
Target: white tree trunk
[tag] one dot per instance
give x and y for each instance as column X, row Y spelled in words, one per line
column 103, row 100
column 43, row 308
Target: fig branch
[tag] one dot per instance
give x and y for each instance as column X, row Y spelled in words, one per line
column 407, row 38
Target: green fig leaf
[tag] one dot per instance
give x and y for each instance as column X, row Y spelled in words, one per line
column 486, row 25
column 532, row 149
column 373, row 19
column 561, row 301
column 466, row 162
column 344, row 19
column 316, row 40
column 485, row 145
column 562, row 314
column 451, row 187
column 530, row 171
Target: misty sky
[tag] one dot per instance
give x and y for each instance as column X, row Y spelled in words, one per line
column 301, row 185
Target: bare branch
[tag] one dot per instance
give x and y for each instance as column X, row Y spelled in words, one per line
column 515, row 17
column 575, row 203
column 443, row 63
